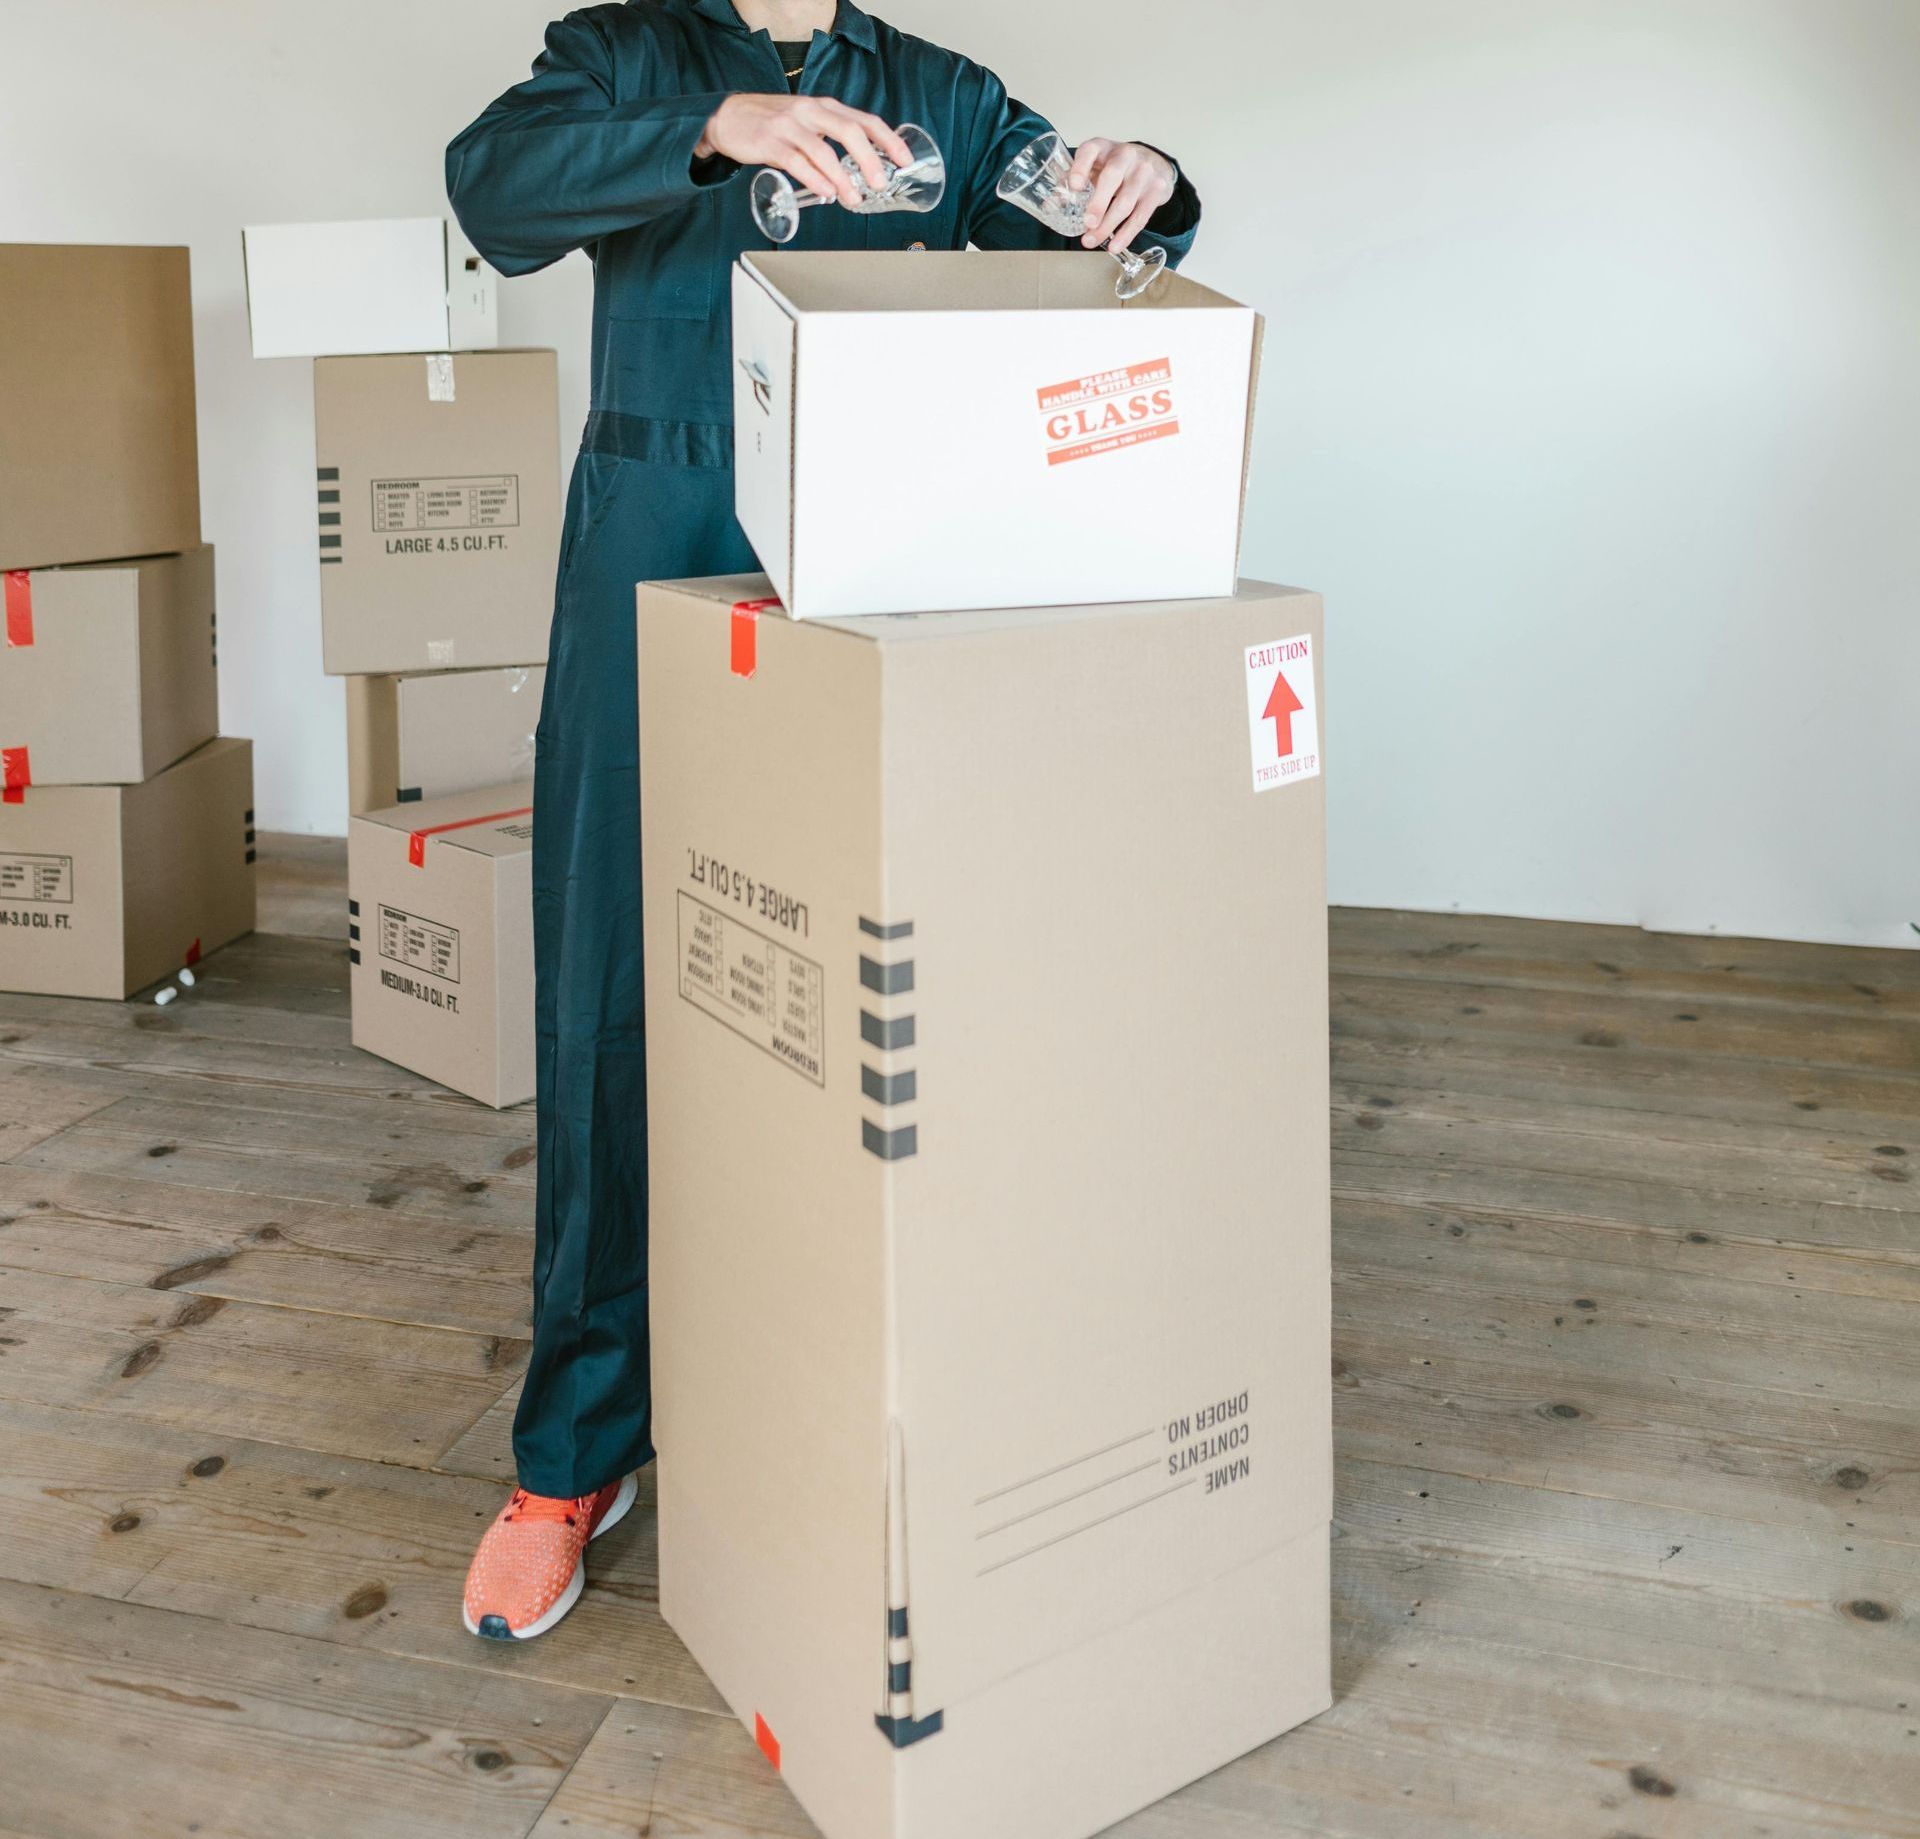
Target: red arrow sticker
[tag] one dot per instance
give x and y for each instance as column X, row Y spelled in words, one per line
column 16, row 774
column 1283, row 716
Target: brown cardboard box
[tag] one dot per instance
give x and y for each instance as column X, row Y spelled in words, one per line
column 439, row 507
column 97, row 444
column 446, row 731
column 440, row 930
column 108, row 672
column 988, row 1138
column 105, row 889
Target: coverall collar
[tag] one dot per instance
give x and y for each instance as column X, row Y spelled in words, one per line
column 849, row 22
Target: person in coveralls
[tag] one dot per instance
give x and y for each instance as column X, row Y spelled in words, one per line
column 635, row 139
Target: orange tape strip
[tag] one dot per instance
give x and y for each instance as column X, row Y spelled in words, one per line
column 417, row 839
column 19, row 607
column 768, row 1742
column 744, row 634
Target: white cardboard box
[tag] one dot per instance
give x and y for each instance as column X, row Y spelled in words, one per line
column 318, row 290
column 922, row 432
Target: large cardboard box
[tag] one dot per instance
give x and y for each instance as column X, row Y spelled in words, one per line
column 319, row 290
column 109, row 672
column 439, row 507
column 447, row 731
column 98, row 453
column 988, row 1147
column 105, row 889
column 440, row 938
column 1063, row 447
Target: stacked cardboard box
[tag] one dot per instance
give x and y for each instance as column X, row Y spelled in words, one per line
column 438, row 508
column 987, row 1061
column 126, row 831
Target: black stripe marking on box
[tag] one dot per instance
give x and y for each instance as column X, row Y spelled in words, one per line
column 889, row 1145
column 252, row 834
column 890, row 1088
column 902, row 1731
column 353, row 907
column 335, row 560
column 896, row 1624
column 353, row 932
column 252, row 855
column 329, row 542
column 886, row 1035
column 329, row 474
column 406, row 794
column 353, row 956
column 902, row 929
column 900, row 1676
column 328, row 519
column 329, row 497
column 886, row 979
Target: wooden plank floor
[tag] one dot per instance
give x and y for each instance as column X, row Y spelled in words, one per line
column 1627, row 1284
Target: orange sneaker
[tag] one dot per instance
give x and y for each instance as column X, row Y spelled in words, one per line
column 531, row 1565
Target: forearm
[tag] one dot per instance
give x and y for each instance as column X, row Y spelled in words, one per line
column 557, row 163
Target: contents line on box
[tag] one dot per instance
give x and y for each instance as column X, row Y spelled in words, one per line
column 1106, row 1449
column 1034, row 1513
column 1000, row 1564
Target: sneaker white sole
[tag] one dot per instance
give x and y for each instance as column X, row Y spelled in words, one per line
column 622, row 1502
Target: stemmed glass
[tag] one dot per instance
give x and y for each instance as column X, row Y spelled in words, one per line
column 917, row 186
column 1036, row 181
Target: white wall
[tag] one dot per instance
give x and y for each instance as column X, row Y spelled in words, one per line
column 1590, row 394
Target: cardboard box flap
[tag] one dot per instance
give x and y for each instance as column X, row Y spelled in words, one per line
column 947, row 280
column 496, row 820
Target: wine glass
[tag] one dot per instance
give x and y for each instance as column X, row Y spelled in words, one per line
column 1036, row 181
column 917, row 186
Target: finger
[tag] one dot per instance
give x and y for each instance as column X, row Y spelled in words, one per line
column 809, row 161
column 1114, row 174
column 887, row 140
column 829, row 178
column 1137, row 221
column 852, row 135
column 1086, row 162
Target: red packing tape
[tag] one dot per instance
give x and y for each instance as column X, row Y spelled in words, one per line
column 19, row 607
column 417, row 839
column 744, row 631
column 768, row 1742
column 16, row 774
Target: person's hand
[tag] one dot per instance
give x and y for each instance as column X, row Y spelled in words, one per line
column 1130, row 182
column 794, row 132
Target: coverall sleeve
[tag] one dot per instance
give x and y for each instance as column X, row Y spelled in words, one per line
column 557, row 163
column 1001, row 127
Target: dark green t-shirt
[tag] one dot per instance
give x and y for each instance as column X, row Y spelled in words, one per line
column 793, row 59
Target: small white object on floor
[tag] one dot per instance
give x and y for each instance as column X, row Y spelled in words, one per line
column 163, row 997
column 188, row 979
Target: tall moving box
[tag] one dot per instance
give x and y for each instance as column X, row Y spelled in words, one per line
column 988, row 1148
column 97, row 433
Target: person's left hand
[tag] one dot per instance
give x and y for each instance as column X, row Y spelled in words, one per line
column 1130, row 182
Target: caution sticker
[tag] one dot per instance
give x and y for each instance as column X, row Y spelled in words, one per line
column 1283, row 713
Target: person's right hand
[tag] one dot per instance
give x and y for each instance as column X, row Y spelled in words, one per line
column 793, row 133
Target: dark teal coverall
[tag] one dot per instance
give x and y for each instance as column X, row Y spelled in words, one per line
column 595, row 152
